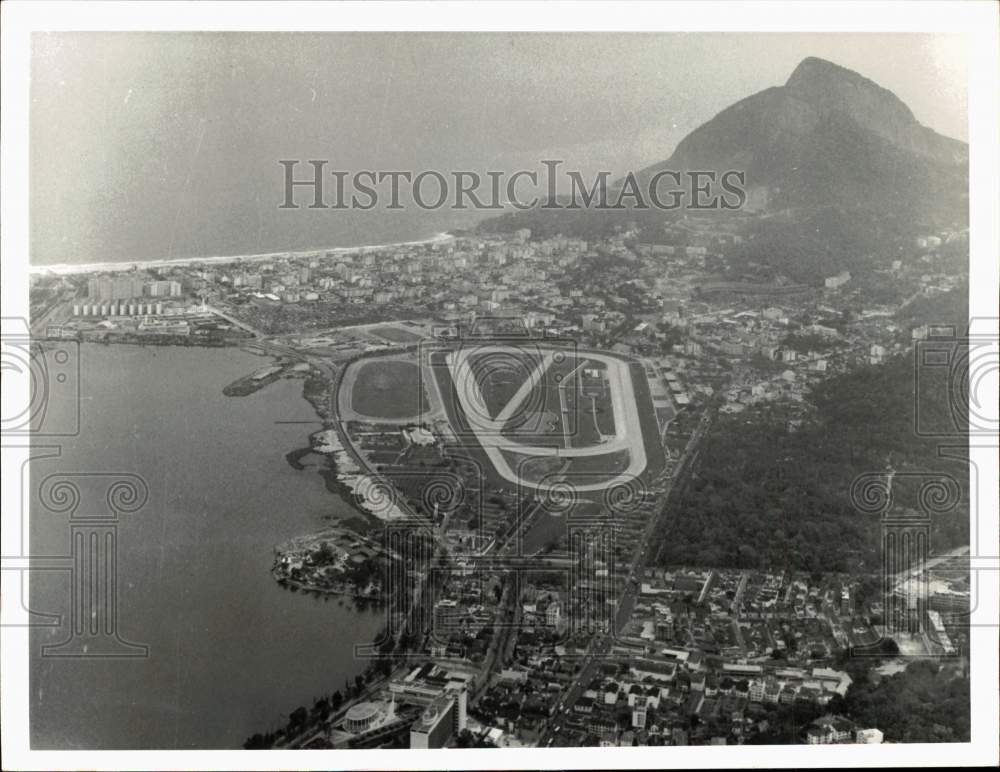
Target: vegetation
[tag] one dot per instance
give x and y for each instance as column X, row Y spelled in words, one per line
column 388, row 389
column 823, row 242
column 924, row 703
column 767, row 496
column 806, row 343
column 786, row 724
column 589, row 224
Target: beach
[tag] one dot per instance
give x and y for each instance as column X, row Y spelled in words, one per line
column 70, row 268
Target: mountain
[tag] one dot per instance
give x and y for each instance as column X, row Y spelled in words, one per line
column 830, row 137
column 839, row 172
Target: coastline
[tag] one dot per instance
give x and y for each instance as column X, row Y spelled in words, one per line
column 66, row 269
column 344, row 476
column 291, row 555
column 341, row 474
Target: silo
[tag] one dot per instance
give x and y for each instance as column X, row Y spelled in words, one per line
column 76, row 310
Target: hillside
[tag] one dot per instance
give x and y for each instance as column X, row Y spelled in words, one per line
column 839, row 174
column 830, row 137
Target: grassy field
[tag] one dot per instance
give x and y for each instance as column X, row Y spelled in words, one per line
column 500, row 374
column 388, row 389
column 532, row 468
column 589, row 401
column 543, row 428
column 567, row 403
column 545, row 532
column 395, row 334
column 591, row 469
column 540, row 419
column 655, row 457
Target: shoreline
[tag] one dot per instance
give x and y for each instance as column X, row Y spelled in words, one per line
column 66, row 269
column 297, row 547
column 325, row 442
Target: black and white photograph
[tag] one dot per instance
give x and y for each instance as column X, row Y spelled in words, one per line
column 501, row 385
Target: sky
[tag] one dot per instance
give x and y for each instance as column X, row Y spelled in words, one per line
column 148, row 145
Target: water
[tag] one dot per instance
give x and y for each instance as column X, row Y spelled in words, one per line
column 151, row 147
column 230, row 652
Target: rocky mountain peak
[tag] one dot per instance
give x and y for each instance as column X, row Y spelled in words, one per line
column 831, row 88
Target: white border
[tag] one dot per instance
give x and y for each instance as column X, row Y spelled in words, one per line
column 977, row 20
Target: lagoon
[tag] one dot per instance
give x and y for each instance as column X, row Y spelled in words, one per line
column 230, row 652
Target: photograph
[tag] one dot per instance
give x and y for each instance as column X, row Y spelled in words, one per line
column 531, row 385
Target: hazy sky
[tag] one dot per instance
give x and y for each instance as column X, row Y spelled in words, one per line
column 167, row 143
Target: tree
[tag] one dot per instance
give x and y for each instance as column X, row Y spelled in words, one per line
column 920, row 704
column 325, row 554
column 298, row 717
column 321, row 708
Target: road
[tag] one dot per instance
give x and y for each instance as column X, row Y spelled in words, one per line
column 931, row 562
column 736, row 608
column 601, row 645
column 508, row 618
column 687, row 458
column 238, row 322
column 315, row 732
column 40, row 323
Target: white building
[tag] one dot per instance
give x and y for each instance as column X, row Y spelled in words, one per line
column 833, row 282
column 868, row 736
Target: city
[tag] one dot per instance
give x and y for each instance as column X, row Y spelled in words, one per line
column 532, row 629
column 411, row 393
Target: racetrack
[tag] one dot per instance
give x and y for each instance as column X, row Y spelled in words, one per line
column 413, row 390
column 488, row 431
